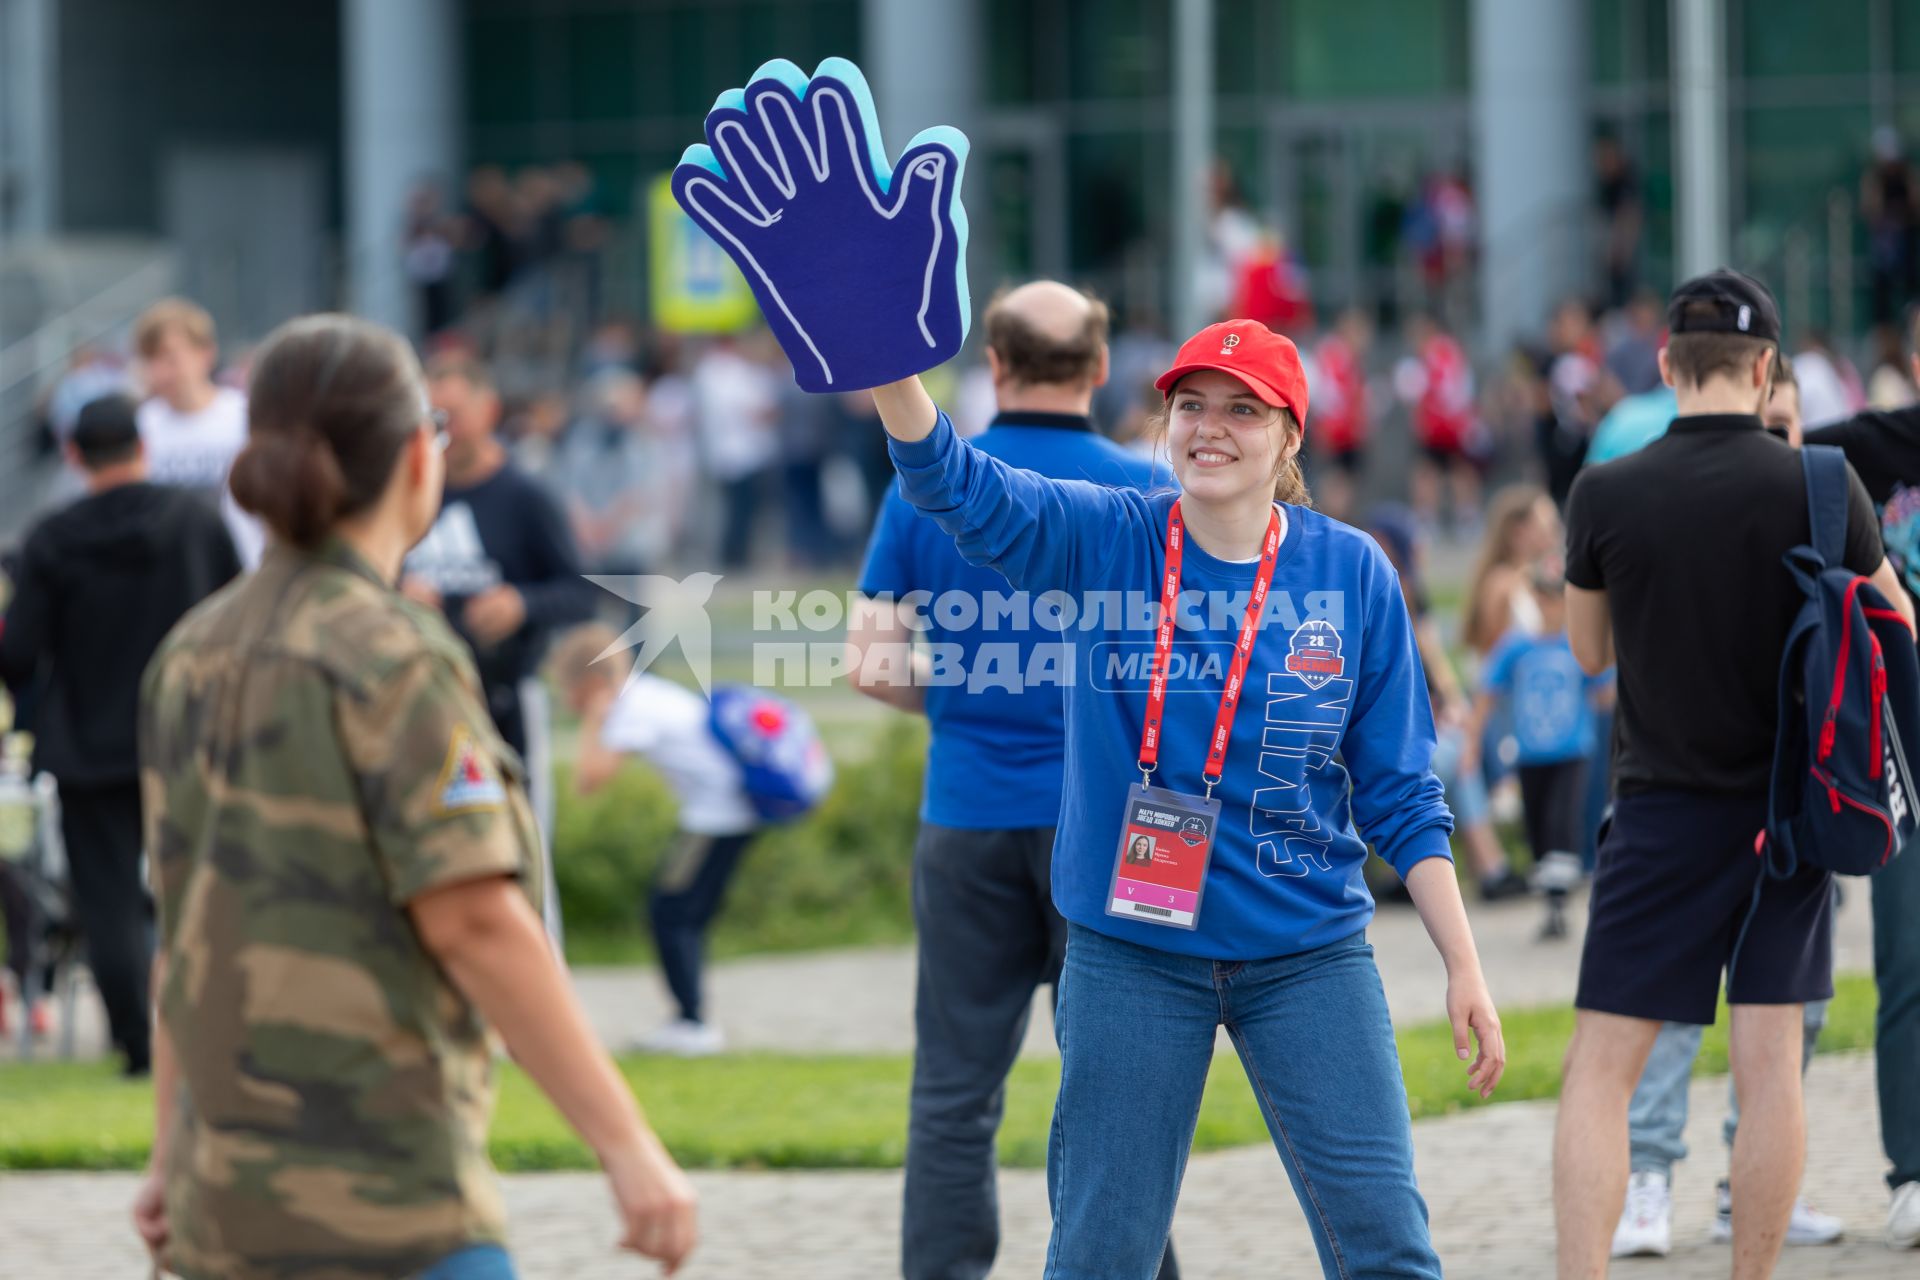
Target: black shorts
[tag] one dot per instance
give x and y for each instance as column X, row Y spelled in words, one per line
column 1444, row 456
column 1673, row 893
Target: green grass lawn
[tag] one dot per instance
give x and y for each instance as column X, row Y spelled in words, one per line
column 772, row 1111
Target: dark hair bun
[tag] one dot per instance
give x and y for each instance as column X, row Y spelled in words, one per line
column 333, row 401
column 292, row 481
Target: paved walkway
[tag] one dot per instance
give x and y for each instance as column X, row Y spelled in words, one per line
column 862, row 1001
column 1485, row 1174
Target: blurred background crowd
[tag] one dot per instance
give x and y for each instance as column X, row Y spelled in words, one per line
column 1465, row 212
column 1476, row 281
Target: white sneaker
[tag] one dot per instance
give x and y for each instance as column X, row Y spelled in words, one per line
column 1646, row 1223
column 1806, row 1226
column 1557, row 873
column 685, row 1039
column 1903, row 1219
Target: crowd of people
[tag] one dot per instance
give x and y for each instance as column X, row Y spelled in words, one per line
column 295, row 636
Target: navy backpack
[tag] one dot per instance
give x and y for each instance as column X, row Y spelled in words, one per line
column 784, row 766
column 1842, row 793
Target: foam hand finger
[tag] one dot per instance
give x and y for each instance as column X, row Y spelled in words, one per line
column 752, row 162
column 723, row 212
column 844, row 119
column 858, row 266
column 928, row 169
column 787, row 126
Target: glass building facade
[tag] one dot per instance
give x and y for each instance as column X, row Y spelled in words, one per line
column 1328, row 112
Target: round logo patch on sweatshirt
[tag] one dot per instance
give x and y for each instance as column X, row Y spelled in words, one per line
column 1314, row 653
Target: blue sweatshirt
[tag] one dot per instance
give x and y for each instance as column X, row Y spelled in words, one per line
column 1311, row 753
column 989, row 740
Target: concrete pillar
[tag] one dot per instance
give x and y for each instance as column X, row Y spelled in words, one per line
column 922, row 59
column 1192, row 160
column 1532, row 160
column 1701, row 160
column 402, row 90
column 29, row 104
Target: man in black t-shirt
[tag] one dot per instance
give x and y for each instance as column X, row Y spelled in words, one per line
column 1885, row 449
column 500, row 563
column 1674, row 565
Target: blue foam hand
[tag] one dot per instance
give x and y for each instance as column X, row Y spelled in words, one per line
column 860, row 270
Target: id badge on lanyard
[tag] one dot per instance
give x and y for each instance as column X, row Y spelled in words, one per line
column 1166, row 836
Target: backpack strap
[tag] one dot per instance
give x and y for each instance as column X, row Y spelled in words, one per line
column 1826, row 471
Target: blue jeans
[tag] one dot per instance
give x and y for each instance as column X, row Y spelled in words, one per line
column 1466, row 791
column 1137, row 1031
column 481, row 1262
column 1599, row 786
column 1896, row 1041
column 687, row 893
column 1657, row 1118
column 989, row 938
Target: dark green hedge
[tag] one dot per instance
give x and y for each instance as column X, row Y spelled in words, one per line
column 841, row 876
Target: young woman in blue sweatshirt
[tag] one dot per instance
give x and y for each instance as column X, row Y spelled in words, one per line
column 1329, row 753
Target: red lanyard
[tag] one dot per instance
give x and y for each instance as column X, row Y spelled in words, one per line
column 1163, row 651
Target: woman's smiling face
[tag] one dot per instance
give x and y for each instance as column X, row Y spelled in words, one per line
column 1223, row 440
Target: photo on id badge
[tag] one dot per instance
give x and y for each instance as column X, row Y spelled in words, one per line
column 1160, row 868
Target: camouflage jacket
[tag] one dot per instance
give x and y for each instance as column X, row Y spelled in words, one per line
column 315, row 753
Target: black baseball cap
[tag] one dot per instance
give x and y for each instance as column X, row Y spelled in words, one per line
column 1724, row 301
column 106, row 425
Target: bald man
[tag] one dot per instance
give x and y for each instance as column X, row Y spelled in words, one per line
column 989, row 936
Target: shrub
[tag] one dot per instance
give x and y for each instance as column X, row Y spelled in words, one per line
column 840, row 876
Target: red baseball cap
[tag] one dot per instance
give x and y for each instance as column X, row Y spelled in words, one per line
column 1251, row 352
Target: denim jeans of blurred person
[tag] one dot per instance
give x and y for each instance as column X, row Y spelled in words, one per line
column 1896, row 1044
column 687, row 894
column 1496, row 762
column 809, row 539
column 988, row 939
column 1466, row 792
column 1599, row 787
column 741, row 500
column 1657, row 1117
column 1137, row 1030
column 481, row 1262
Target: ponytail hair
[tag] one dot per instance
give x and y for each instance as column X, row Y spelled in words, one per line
column 333, row 401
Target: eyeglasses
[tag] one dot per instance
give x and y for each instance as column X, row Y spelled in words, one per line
column 438, row 418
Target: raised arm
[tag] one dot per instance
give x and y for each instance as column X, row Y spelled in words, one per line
column 906, row 410
column 1042, row 534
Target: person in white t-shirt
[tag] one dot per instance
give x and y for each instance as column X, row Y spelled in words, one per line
column 669, row 727
column 191, row 427
column 737, row 411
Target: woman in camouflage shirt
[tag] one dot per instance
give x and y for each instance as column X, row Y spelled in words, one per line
column 343, row 857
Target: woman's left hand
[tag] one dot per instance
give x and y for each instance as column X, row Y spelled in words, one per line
column 1470, row 1009
column 150, row 1213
